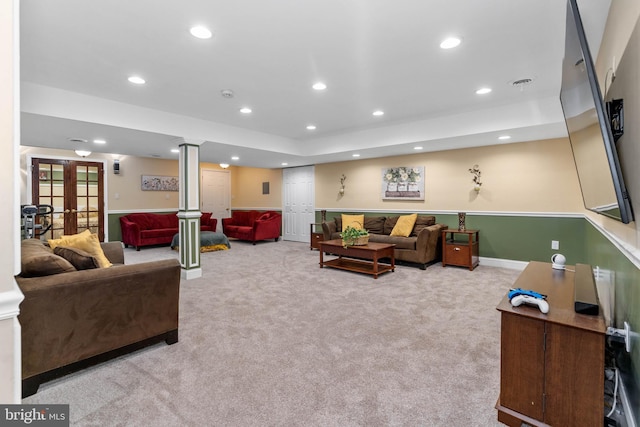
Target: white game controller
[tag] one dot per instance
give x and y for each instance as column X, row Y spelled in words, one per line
column 526, row 299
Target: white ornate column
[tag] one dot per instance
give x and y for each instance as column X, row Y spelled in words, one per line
column 189, row 208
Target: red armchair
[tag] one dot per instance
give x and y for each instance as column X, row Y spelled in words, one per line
column 253, row 225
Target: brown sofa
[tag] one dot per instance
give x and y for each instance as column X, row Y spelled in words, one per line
column 145, row 229
column 74, row 318
column 423, row 246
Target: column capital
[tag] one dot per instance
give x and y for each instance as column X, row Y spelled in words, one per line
column 187, row 141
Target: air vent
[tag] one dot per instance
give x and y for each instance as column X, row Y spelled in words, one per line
column 78, row 140
column 226, row 93
column 521, row 83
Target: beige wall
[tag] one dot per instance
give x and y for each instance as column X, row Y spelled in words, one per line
column 536, row 176
column 246, row 188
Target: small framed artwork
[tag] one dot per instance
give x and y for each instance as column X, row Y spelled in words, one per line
column 160, row 183
column 403, row 183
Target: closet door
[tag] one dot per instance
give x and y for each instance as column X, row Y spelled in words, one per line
column 75, row 190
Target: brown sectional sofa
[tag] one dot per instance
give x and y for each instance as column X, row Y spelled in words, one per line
column 423, row 246
column 74, row 318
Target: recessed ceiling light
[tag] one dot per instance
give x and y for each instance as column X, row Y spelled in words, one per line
column 311, row 127
column 378, row 113
column 99, row 141
column 235, row 158
column 503, row 137
column 136, row 80
column 200, row 32
column 319, row 86
column 355, row 155
column 175, row 150
column 245, row 110
column 483, row 91
column 450, row 42
column 284, row 164
column 417, row 148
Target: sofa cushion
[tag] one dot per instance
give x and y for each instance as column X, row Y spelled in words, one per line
column 38, row 260
column 353, row 221
column 163, row 221
column 142, row 219
column 86, row 241
column 81, row 260
column 423, row 221
column 408, row 243
column 374, row 224
column 389, row 223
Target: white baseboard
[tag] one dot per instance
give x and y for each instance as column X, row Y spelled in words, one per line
column 503, row 263
column 626, row 405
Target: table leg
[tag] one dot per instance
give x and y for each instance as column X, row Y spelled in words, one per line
column 321, row 252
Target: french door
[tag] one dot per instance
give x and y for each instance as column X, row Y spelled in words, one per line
column 75, row 190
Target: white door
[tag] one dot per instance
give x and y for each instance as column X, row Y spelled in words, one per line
column 298, row 200
column 215, row 197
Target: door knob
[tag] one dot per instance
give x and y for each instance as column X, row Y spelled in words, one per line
column 67, row 211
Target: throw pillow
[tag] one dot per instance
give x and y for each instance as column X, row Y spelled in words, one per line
column 205, row 217
column 86, row 241
column 80, row 259
column 37, row 260
column 404, row 225
column 353, row 221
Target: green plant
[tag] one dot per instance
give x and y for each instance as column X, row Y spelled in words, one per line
column 350, row 235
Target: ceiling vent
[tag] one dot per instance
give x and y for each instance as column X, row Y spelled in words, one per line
column 226, row 93
column 521, row 83
column 77, row 140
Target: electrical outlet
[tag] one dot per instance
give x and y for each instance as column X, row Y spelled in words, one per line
column 555, row 244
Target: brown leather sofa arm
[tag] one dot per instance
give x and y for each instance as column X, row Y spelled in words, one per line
column 113, row 251
column 328, row 228
column 428, row 242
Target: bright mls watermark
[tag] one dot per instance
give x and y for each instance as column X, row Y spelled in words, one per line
column 34, row 415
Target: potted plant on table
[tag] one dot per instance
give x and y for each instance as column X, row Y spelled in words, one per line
column 352, row 236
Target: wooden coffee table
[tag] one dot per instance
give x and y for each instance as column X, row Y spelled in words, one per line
column 367, row 257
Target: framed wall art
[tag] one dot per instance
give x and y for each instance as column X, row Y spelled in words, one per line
column 160, row 183
column 403, row 183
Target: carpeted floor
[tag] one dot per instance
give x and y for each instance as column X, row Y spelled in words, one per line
column 267, row 338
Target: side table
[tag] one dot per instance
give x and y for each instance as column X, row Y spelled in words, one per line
column 315, row 236
column 463, row 253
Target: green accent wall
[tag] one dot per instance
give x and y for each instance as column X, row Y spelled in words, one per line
column 520, row 238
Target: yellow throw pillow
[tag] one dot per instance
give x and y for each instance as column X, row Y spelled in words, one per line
column 404, row 226
column 86, row 241
column 355, row 221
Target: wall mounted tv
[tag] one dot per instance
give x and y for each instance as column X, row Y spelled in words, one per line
column 594, row 149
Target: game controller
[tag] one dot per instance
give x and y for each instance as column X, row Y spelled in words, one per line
column 519, row 291
column 526, row 299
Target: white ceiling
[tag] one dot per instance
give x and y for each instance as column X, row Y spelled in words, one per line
column 76, row 56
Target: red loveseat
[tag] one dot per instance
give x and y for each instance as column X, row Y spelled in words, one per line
column 144, row 229
column 253, row 225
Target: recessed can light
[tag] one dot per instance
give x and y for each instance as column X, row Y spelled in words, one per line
column 200, row 32
column 175, row 150
column 483, row 91
column 417, row 148
column 355, row 155
column 311, row 127
column 319, row 86
column 284, row 163
column 378, row 113
column 235, row 158
column 245, row 110
column 136, row 80
column 450, row 43
column 503, row 137
column 99, row 141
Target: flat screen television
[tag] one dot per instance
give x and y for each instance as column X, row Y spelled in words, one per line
column 589, row 128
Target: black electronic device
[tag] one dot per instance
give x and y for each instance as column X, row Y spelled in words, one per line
column 116, row 166
column 592, row 141
column 585, row 292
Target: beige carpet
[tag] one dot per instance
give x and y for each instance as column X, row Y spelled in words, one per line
column 267, row 338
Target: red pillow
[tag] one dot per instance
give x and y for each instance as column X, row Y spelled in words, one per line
column 205, row 217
